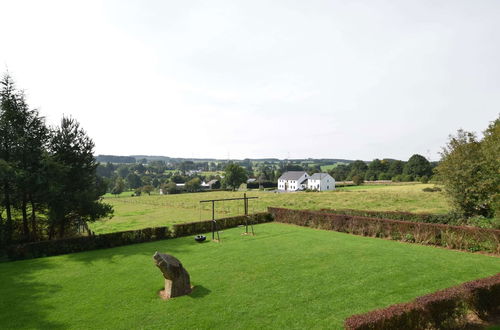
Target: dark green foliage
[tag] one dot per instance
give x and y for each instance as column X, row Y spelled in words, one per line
column 358, row 168
column 147, row 189
column 119, row 186
column 193, row 185
column 48, row 177
column 75, row 191
column 115, row 159
column 469, row 170
column 417, row 166
column 234, row 176
column 357, row 180
column 431, row 189
column 396, row 168
column 263, row 184
column 134, row 181
column 445, row 309
column 424, row 179
column 86, row 243
column 455, row 237
column 171, row 188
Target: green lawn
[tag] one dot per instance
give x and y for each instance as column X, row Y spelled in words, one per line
column 161, row 210
column 285, row 277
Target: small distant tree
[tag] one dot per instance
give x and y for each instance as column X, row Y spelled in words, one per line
column 235, row 175
column 148, row 189
column 171, row 188
column 417, row 166
column 193, row 185
column 357, row 180
column 119, row 187
column 138, row 192
column 134, row 181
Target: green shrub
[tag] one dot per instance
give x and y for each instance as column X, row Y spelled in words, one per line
column 431, row 189
column 86, row 243
column 445, row 309
column 481, row 222
column 454, row 237
column 357, row 180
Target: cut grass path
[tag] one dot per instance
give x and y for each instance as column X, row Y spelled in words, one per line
column 158, row 210
column 285, row 277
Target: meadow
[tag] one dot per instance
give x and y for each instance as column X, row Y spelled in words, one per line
column 160, row 210
column 284, row 277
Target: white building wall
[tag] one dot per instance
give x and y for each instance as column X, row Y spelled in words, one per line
column 292, row 185
column 325, row 184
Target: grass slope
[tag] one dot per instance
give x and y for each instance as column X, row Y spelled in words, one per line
column 285, row 277
column 156, row 210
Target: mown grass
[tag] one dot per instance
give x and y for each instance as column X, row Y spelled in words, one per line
column 161, row 210
column 285, row 277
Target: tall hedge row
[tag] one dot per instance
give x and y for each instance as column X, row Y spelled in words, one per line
column 455, row 237
column 193, row 228
column 86, row 243
column 451, row 308
column 396, row 215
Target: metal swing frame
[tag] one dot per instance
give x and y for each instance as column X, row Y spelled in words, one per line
column 215, row 225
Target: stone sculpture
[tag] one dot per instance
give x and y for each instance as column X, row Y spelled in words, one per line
column 177, row 281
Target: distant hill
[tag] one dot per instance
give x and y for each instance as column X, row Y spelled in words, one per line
column 135, row 158
column 115, row 159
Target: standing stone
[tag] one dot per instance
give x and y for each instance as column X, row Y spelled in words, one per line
column 177, row 281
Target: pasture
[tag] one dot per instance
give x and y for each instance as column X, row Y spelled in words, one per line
column 159, row 210
column 284, row 277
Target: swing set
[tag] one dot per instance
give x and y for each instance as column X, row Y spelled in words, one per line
column 215, row 225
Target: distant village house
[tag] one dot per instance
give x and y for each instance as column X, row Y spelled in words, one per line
column 300, row 180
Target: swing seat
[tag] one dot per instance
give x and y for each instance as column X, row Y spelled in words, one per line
column 200, row 238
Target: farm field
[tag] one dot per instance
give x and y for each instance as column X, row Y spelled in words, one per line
column 285, row 277
column 160, row 210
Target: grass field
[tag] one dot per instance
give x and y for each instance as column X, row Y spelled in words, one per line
column 285, row 277
column 161, row 210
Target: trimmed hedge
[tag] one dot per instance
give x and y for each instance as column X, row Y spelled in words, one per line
column 86, row 243
column 455, row 237
column 103, row 241
column 445, row 309
column 449, row 219
column 264, row 184
column 198, row 227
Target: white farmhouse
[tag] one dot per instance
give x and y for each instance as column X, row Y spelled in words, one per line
column 320, row 182
column 293, row 181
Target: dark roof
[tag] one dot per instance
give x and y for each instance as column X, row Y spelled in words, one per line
column 318, row 176
column 291, row 175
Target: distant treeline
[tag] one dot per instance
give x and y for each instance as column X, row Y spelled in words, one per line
column 115, row 159
column 417, row 168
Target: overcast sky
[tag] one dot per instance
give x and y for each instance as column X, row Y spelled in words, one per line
column 285, row 79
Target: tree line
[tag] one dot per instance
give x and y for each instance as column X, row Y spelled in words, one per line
column 48, row 183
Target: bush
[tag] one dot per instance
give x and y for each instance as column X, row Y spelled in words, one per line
column 445, row 309
column 86, row 243
column 357, row 180
column 481, row 222
column 424, row 179
column 264, row 184
column 431, row 189
column 454, row 237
